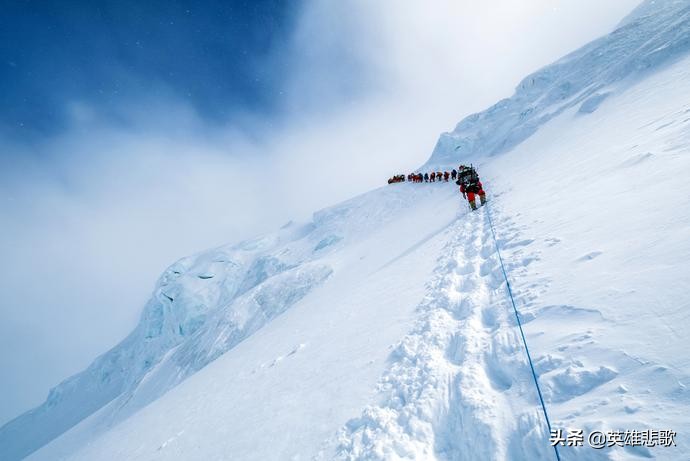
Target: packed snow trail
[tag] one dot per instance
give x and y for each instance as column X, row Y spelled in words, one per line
column 458, row 387
column 522, row 332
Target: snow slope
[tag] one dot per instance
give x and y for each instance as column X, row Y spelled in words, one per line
column 654, row 34
column 593, row 219
column 382, row 329
column 351, row 248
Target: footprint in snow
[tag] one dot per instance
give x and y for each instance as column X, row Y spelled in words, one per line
column 486, row 238
column 527, row 261
column 470, row 252
column 490, row 318
column 462, row 309
column 487, row 267
column 465, row 269
column 576, row 381
column 520, row 243
column 547, row 363
column 455, row 352
column 572, row 312
column 527, row 317
column 632, row 408
column 496, row 366
column 498, row 378
column 487, row 251
column 466, row 285
column 589, row 256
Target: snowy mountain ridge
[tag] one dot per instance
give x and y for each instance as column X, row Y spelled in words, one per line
column 289, row 346
column 656, row 33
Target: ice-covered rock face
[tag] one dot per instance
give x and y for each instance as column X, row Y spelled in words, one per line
column 202, row 306
column 656, row 33
column 228, row 327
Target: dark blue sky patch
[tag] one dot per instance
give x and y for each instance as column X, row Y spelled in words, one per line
column 212, row 55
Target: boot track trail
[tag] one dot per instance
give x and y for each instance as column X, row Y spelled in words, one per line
column 458, row 386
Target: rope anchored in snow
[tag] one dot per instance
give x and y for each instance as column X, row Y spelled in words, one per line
column 522, row 333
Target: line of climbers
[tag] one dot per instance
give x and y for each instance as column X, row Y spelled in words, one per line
column 435, row 176
column 467, row 179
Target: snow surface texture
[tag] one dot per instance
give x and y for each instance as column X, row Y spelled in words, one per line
column 458, row 386
column 289, row 346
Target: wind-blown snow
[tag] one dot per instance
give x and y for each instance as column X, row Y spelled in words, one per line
column 382, row 329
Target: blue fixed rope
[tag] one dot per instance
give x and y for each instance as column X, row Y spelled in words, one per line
column 522, row 333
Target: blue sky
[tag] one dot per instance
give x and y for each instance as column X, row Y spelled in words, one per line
column 135, row 133
column 210, row 54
